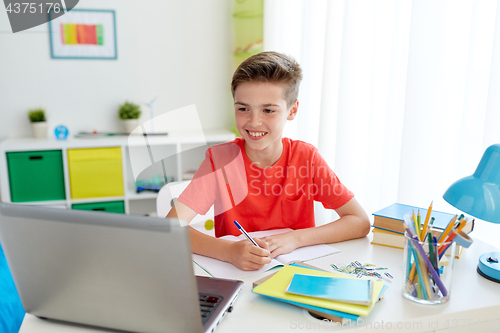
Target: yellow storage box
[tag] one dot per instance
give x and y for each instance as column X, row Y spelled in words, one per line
column 95, row 172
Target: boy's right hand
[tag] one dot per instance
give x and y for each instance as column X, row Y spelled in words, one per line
column 249, row 257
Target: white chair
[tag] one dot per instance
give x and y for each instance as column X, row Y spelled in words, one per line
column 166, row 199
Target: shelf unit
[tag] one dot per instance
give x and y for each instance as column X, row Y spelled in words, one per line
column 185, row 151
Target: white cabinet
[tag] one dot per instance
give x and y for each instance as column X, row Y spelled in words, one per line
column 173, row 155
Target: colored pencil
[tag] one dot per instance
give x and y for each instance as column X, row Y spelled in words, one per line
column 408, row 263
column 408, row 222
column 425, row 276
column 432, row 257
column 449, row 239
column 427, row 217
column 436, row 256
column 419, row 230
column 414, row 218
column 421, row 251
column 421, row 276
column 412, row 273
column 446, row 231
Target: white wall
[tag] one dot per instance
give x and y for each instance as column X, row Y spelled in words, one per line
column 180, row 51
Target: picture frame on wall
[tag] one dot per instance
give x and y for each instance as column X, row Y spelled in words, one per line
column 84, row 34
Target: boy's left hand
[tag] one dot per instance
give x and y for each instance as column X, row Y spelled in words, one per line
column 281, row 243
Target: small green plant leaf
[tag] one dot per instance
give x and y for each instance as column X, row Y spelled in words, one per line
column 129, row 111
column 37, row 115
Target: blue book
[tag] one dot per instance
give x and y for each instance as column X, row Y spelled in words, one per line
column 397, row 211
column 345, row 290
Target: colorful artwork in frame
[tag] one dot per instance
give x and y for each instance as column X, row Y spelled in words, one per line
column 84, row 34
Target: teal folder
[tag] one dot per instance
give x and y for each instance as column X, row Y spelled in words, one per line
column 346, row 290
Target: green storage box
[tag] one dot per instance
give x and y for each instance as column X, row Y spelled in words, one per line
column 36, row 175
column 107, row 206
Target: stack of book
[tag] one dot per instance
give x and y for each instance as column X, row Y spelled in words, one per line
column 333, row 296
column 388, row 227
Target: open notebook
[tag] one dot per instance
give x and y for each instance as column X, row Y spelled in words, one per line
column 221, row 269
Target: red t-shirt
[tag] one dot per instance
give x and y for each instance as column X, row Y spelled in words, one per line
column 281, row 196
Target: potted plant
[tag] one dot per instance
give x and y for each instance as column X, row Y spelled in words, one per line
column 129, row 113
column 38, row 123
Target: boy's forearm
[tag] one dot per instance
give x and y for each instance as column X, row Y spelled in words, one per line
column 345, row 228
column 209, row 246
column 353, row 223
column 201, row 243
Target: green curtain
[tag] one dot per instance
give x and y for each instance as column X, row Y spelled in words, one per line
column 248, row 16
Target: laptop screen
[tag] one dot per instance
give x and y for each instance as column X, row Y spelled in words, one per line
column 112, row 270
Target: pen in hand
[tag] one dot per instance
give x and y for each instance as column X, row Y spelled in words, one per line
column 246, row 234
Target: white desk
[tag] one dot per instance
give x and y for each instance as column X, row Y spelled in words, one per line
column 474, row 305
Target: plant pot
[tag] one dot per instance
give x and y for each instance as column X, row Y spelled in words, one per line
column 39, row 130
column 130, row 124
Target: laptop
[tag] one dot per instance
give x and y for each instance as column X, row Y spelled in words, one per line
column 117, row 271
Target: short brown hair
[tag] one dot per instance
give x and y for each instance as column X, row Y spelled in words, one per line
column 270, row 67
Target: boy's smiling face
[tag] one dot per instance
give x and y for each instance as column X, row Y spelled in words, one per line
column 261, row 113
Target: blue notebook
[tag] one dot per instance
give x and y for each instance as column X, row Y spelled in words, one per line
column 346, row 290
column 397, row 211
column 11, row 309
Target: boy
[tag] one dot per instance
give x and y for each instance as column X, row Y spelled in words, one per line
column 279, row 178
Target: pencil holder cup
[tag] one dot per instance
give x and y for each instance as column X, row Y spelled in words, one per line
column 427, row 270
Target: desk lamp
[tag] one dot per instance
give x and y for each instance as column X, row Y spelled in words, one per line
column 479, row 196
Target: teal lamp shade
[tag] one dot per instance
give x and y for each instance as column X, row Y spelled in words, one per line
column 479, row 196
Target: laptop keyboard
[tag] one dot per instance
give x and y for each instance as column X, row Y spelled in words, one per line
column 208, row 303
